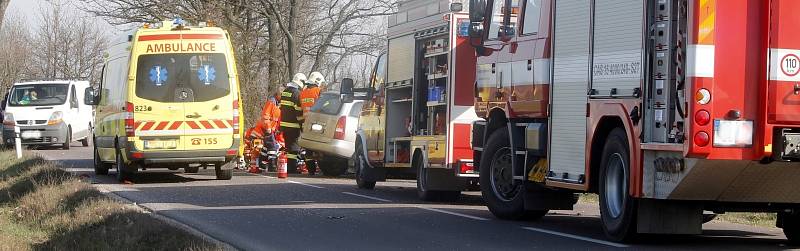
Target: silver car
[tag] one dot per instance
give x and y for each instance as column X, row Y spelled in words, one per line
column 329, row 132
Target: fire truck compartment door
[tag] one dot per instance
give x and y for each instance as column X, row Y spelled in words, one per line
column 617, row 59
column 401, row 58
column 571, row 52
column 784, row 79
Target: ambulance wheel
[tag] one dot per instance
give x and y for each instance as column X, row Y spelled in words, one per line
column 422, row 185
column 67, row 139
column 333, row 167
column 504, row 198
column 191, row 169
column 361, row 167
column 100, row 168
column 617, row 207
column 223, row 174
column 122, row 173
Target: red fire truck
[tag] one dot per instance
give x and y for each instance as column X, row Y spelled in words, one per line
column 665, row 108
column 419, row 118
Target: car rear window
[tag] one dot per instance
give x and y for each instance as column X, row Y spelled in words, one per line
column 328, row 103
column 182, row 77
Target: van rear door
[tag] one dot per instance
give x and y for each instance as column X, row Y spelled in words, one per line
column 209, row 100
column 157, row 108
column 784, row 78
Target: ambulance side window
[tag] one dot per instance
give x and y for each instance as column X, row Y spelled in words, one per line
column 533, row 10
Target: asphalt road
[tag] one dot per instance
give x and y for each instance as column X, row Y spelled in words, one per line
column 254, row 212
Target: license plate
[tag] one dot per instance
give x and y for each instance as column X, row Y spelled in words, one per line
column 316, row 127
column 160, row 144
column 31, row 134
column 729, row 133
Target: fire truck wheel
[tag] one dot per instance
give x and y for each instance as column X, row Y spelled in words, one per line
column 361, row 165
column 191, row 169
column 791, row 227
column 503, row 198
column 617, row 208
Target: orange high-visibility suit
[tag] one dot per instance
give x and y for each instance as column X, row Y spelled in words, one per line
column 270, row 118
column 308, row 97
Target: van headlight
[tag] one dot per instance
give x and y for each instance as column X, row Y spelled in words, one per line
column 8, row 119
column 56, row 118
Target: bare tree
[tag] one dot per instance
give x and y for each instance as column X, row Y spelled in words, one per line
column 68, row 47
column 15, row 43
column 3, row 6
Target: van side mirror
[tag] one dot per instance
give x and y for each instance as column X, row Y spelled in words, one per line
column 348, row 86
column 90, row 97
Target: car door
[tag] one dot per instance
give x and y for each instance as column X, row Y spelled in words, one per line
column 208, row 103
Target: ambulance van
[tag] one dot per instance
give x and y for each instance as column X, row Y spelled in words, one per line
column 168, row 98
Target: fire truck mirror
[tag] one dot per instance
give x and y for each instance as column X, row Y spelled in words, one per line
column 456, row 7
column 477, row 10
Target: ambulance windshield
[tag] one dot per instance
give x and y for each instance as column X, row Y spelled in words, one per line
column 182, row 77
column 38, row 95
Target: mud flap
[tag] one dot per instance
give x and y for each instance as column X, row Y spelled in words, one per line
column 440, row 179
column 669, row 217
column 540, row 198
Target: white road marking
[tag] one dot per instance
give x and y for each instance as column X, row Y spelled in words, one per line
column 607, row 243
column 454, row 213
column 367, row 197
column 304, row 184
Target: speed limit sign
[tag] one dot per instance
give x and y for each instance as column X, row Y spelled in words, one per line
column 790, row 65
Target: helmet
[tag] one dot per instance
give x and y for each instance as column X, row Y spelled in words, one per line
column 300, row 79
column 316, row 78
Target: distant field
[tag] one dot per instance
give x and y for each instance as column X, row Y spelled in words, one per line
column 45, row 208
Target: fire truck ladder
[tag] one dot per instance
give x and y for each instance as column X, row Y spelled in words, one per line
column 665, row 101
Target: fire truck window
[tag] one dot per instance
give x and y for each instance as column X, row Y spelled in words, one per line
column 532, row 12
column 497, row 19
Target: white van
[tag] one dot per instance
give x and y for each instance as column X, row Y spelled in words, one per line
column 48, row 113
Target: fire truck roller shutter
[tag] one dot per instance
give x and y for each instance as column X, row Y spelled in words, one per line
column 401, row 58
column 571, row 51
column 617, row 47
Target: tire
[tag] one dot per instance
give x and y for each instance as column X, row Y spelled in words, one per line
column 68, row 139
column 100, row 168
column 504, row 199
column 223, row 174
column 122, row 174
column 361, row 166
column 331, row 167
column 617, row 207
column 791, row 227
column 191, row 169
column 85, row 142
column 311, row 167
column 423, row 192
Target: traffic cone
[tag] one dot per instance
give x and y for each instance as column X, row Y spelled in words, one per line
column 283, row 166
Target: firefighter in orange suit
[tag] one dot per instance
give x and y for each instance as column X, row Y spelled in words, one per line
column 268, row 125
column 310, row 95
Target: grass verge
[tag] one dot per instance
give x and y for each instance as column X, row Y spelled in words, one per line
column 752, row 219
column 43, row 207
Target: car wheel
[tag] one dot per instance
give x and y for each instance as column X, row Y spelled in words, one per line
column 85, row 142
column 617, row 208
column 223, row 174
column 361, row 167
column 122, row 169
column 504, row 198
column 333, row 167
column 100, row 168
column 67, row 139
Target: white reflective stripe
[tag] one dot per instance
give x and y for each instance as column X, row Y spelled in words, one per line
column 784, row 65
column 184, row 132
column 700, row 61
